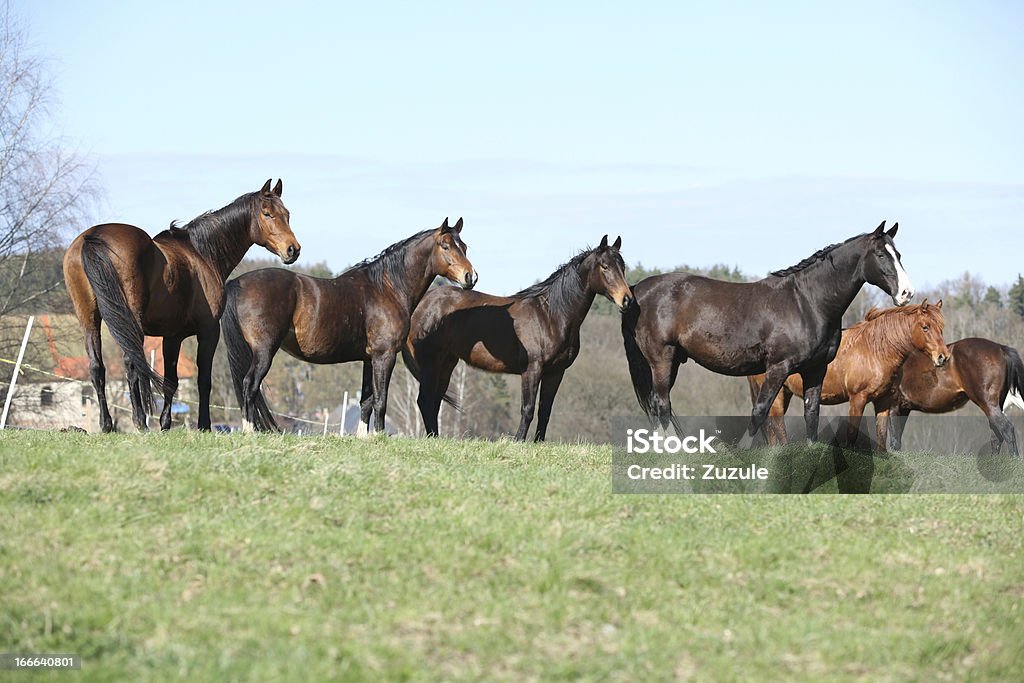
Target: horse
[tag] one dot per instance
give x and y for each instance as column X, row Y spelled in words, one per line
column 789, row 322
column 363, row 314
column 534, row 333
column 982, row 371
column 866, row 366
column 169, row 286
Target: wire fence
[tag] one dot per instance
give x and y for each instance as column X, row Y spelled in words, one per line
column 326, row 425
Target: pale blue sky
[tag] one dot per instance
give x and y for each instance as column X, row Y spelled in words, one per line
column 744, row 133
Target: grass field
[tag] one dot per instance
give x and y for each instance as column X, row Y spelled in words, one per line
column 240, row 557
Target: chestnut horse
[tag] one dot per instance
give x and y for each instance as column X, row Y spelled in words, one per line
column 789, row 322
column 982, row 371
column 866, row 366
column 363, row 314
column 534, row 333
column 169, row 286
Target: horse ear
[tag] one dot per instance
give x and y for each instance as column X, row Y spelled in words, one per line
column 444, row 226
column 618, row 242
column 879, row 229
column 939, row 305
column 891, row 232
column 266, row 187
column 458, row 225
column 604, row 242
column 924, row 305
column 279, row 188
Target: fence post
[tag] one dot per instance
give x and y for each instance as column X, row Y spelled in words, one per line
column 17, row 368
column 327, row 416
column 344, row 414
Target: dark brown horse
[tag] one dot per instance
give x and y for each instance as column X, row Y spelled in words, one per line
column 535, row 333
column 363, row 314
column 866, row 366
column 789, row 322
column 982, row 371
column 169, row 286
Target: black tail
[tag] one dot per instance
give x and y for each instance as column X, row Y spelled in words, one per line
column 240, row 360
column 639, row 368
column 124, row 326
column 413, row 367
column 1014, row 372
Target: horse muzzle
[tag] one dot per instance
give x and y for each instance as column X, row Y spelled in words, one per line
column 469, row 280
column 904, row 297
column 940, row 360
column 291, row 254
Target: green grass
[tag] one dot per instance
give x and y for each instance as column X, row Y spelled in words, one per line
column 279, row 558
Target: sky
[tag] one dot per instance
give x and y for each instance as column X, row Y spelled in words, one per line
column 743, row 133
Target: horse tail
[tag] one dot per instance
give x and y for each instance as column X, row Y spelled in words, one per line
column 240, row 360
column 124, row 326
column 639, row 368
column 413, row 367
column 1014, row 378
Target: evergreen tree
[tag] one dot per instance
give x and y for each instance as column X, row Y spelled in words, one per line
column 1016, row 296
column 992, row 297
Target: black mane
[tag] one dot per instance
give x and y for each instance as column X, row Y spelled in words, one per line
column 215, row 234
column 390, row 263
column 563, row 287
column 812, row 259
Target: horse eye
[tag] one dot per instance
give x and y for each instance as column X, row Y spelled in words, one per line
column 924, row 327
column 445, row 247
column 267, row 214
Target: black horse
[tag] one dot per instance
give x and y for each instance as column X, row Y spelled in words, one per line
column 790, row 322
column 535, row 333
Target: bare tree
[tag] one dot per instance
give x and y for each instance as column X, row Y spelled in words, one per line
column 45, row 190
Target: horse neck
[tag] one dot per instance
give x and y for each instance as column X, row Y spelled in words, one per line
column 580, row 298
column 836, row 279
column 223, row 238
column 888, row 338
column 419, row 272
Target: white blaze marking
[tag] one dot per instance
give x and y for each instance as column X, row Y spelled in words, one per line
column 903, row 285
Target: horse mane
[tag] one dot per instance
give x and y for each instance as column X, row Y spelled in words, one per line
column 885, row 332
column 563, row 287
column 389, row 265
column 208, row 234
column 812, row 259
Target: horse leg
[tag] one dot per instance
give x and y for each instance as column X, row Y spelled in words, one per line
column 97, row 372
column 1002, row 429
column 882, row 426
column 897, row 422
column 208, row 339
column 530, row 380
column 366, row 396
column 434, row 380
column 140, row 412
column 774, row 378
column 664, row 368
column 171, row 348
column 383, row 366
column 813, row 380
column 857, row 404
column 548, row 388
column 259, row 366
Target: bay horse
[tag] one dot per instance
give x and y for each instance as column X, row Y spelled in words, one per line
column 534, row 333
column 363, row 314
column 866, row 367
column 789, row 322
column 169, row 286
column 982, row 371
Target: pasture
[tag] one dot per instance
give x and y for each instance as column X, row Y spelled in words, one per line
column 268, row 557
